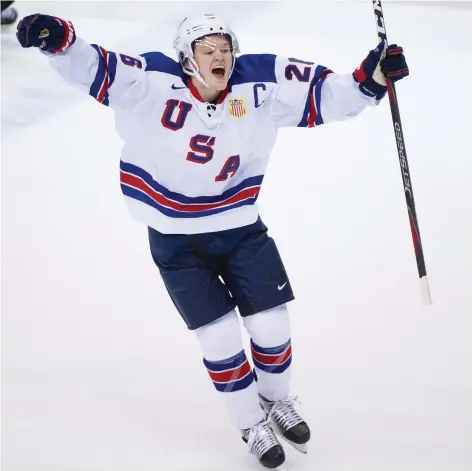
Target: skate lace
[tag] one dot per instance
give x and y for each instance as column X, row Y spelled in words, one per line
column 283, row 413
column 261, row 438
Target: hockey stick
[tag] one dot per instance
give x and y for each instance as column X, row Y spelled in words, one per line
column 407, row 185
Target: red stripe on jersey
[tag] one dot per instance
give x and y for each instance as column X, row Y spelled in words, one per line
column 312, row 114
column 136, row 182
column 104, row 87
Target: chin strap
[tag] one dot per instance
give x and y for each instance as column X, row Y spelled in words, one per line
column 194, row 71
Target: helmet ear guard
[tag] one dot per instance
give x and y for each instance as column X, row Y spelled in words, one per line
column 192, row 29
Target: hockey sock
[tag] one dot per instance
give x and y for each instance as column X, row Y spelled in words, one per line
column 229, row 369
column 271, row 351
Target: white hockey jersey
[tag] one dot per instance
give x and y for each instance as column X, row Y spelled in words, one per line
column 188, row 166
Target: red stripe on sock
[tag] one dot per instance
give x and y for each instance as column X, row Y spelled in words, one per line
column 272, row 359
column 230, row 375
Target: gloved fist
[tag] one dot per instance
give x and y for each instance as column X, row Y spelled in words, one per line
column 49, row 33
column 380, row 64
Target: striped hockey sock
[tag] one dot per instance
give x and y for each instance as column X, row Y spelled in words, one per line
column 233, row 378
column 273, row 370
column 232, row 374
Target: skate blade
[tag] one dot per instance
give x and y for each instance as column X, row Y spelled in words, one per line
column 301, row 448
column 280, row 468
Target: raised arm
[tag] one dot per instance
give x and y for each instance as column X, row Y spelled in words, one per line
column 309, row 94
column 113, row 79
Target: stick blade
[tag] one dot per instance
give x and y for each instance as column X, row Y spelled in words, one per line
column 425, row 292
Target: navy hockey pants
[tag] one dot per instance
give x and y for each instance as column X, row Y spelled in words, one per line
column 208, row 275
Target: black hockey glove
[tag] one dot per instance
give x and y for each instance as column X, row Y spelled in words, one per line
column 49, row 33
column 379, row 65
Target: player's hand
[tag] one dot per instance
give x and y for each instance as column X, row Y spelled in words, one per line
column 49, row 33
column 379, row 65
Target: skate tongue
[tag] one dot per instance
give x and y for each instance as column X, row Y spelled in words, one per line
column 261, row 438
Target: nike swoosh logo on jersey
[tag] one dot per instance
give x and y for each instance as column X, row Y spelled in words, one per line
column 176, row 88
column 281, row 287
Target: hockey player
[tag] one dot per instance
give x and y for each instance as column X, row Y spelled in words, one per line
column 197, row 136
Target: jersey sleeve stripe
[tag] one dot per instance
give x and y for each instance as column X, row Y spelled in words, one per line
column 105, row 75
column 312, row 112
column 315, row 118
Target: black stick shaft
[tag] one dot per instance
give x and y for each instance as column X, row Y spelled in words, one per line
column 405, row 171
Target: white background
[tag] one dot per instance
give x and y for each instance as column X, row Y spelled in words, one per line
column 99, row 372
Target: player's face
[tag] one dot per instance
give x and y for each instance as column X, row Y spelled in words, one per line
column 214, row 59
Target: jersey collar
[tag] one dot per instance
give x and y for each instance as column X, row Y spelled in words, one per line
column 194, row 91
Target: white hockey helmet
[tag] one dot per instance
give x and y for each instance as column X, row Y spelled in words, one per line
column 196, row 27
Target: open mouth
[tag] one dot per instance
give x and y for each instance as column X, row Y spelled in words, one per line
column 218, row 71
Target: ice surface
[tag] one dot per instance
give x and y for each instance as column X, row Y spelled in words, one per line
column 99, row 372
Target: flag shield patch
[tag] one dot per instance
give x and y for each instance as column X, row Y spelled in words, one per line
column 237, row 108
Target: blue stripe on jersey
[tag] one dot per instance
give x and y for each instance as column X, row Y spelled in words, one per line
column 313, row 85
column 139, row 172
column 253, row 68
column 112, row 61
column 100, row 75
column 159, row 62
column 144, row 198
column 106, row 69
column 319, row 84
